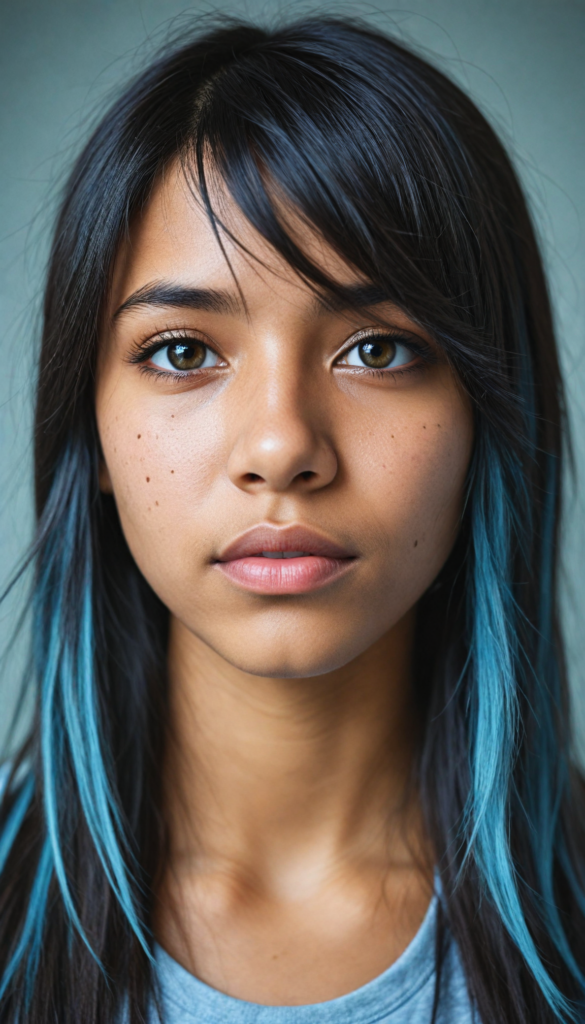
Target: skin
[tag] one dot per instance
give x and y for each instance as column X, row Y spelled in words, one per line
column 297, row 866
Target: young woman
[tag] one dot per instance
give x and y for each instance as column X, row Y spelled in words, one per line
column 301, row 750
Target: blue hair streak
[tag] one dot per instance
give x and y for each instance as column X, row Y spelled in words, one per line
column 28, row 948
column 71, row 738
column 497, row 668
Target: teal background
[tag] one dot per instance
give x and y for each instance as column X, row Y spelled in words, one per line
column 523, row 61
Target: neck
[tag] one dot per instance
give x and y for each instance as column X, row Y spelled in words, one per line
column 267, row 773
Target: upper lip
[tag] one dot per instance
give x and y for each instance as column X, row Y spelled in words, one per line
column 266, row 537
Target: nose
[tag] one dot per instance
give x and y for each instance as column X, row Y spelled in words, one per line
column 282, row 443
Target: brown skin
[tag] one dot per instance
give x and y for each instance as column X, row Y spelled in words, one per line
column 297, row 868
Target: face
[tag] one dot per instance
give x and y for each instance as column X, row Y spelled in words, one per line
column 289, row 478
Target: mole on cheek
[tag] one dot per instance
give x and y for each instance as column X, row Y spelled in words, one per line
column 148, row 479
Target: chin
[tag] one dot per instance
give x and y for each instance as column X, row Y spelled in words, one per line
column 281, row 660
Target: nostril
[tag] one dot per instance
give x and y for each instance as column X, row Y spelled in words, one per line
column 252, row 478
column 307, row 474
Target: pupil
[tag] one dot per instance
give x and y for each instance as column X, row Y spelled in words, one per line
column 186, row 355
column 378, row 353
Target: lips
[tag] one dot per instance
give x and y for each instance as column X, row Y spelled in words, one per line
column 283, row 560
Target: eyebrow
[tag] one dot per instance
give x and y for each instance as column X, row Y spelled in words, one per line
column 163, row 293
column 211, row 300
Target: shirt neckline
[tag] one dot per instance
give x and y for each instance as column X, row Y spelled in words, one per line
column 375, row 1000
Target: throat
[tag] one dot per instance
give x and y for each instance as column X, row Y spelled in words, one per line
column 263, row 769
column 292, row 850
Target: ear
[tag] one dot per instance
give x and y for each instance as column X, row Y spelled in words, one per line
column 104, row 479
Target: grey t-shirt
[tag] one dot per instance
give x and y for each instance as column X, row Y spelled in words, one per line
column 403, row 994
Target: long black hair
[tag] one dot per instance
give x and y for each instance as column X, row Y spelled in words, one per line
column 399, row 172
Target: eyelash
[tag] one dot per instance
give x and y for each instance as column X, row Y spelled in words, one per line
column 417, row 347
column 146, row 349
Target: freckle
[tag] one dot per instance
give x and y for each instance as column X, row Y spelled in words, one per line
column 139, row 436
column 172, row 471
column 415, row 543
column 172, row 415
column 391, row 435
column 424, row 426
column 156, row 503
column 148, row 479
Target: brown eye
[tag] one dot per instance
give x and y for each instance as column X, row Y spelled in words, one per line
column 187, row 355
column 377, row 352
column 184, row 356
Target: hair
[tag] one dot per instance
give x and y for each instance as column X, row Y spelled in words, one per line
column 392, row 164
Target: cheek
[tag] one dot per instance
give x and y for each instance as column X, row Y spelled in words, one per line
column 399, row 496
column 413, row 475
column 161, row 465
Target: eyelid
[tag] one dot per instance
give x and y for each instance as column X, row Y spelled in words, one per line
column 413, row 342
column 145, row 349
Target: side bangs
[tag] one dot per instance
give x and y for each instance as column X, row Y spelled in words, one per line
column 387, row 193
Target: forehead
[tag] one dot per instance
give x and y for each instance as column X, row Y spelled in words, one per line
column 173, row 240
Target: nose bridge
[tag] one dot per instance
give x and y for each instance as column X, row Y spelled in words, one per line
column 282, row 438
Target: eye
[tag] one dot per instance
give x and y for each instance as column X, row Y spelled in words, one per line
column 184, row 355
column 378, row 352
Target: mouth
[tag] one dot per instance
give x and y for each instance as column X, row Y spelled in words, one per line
column 283, row 560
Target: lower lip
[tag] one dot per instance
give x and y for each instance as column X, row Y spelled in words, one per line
column 284, row 575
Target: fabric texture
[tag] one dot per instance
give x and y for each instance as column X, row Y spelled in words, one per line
column 403, row 994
